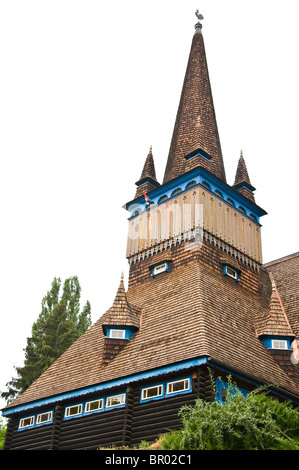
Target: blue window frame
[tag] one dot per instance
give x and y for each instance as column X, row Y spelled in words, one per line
column 166, row 389
column 276, row 342
column 230, row 272
column 160, row 268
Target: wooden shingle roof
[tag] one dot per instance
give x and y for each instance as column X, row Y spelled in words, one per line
column 195, row 125
column 286, row 275
column 122, row 312
column 188, row 313
column 274, row 322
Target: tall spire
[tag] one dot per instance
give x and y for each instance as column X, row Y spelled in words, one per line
column 195, row 140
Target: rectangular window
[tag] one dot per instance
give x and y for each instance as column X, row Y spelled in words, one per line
column 26, row 422
column 178, row 386
column 44, row 418
column 152, row 392
column 231, row 272
column 71, row 411
column 161, row 268
column 120, row 334
column 279, row 344
column 116, row 400
column 95, row 405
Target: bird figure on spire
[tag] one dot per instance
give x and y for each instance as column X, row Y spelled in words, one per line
column 199, row 16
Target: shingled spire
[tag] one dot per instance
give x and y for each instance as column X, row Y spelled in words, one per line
column 121, row 321
column 195, row 140
column 148, row 180
column 122, row 313
column 242, row 182
column 274, row 322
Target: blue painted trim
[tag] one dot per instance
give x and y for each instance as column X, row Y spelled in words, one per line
column 128, row 331
column 106, row 385
column 165, row 394
column 234, row 269
column 46, row 422
column 154, row 274
column 267, row 341
column 158, row 397
column 199, row 174
column 223, row 385
column 182, row 392
column 27, row 427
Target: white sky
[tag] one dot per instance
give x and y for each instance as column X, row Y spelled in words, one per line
column 85, row 88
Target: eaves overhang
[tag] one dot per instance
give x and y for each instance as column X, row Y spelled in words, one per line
column 200, row 175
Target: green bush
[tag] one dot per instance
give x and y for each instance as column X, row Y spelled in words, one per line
column 254, row 422
column 2, row 433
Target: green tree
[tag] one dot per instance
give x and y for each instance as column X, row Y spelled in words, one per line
column 58, row 325
column 252, row 422
column 2, row 433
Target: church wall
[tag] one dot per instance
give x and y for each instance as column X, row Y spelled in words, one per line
column 210, row 252
column 128, row 425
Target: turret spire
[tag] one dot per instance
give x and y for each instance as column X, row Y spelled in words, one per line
column 148, row 180
column 195, row 140
column 242, row 182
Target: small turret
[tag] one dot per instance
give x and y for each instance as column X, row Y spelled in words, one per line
column 242, row 182
column 148, row 180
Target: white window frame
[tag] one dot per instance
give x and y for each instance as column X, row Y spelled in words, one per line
column 89, row 403
column 117, row 333
column 68, row 409
column 22, row 424
column 231, row 272
column 40, row 416
column 279, row 344
column 145, row 392
column 160, row 268
column 186, row 386
column 121, row 400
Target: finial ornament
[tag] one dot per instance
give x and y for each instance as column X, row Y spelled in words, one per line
column 198, row 15
column 198, row 25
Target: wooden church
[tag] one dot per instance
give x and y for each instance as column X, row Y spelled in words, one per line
column 200, row 304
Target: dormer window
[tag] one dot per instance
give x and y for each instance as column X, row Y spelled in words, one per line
column 279, row 344
column 117, row 334
column 276, row 342
column 160, row 268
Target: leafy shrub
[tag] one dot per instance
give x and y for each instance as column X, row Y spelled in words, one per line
column 254, row 422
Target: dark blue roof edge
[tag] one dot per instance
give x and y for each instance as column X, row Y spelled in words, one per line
column 106, row 385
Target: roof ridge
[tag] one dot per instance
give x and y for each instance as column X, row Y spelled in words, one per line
column 282, row 259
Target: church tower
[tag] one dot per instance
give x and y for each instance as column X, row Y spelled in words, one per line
column 200, row 306
column 194, row 212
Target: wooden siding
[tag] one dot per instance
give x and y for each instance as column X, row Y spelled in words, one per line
column 38, row 438
column 196, row 209
column 115, row 427
column 91, row 431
